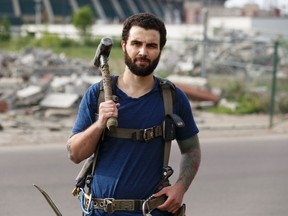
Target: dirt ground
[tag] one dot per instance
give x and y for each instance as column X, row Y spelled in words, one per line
column 21, row 130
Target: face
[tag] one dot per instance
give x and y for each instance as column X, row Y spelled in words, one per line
column 142, row 50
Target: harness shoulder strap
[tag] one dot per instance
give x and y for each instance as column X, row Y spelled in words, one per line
column 168, row 93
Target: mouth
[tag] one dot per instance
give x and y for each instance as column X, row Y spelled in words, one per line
column 142, row 60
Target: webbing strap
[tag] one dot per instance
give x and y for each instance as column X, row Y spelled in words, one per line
column 110, row 205
column 168, row 107
column 136, row 134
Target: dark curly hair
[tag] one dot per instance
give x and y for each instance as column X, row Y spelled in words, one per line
column 146, row 21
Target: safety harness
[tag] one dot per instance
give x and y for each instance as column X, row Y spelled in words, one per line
column 166, row 130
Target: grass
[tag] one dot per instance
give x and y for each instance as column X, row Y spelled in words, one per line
column 85, row 52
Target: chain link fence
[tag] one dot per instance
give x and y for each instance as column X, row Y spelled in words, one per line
column 242, row 72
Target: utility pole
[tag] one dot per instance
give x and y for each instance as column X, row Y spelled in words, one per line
column 37, row 15
column 273, row 86
column 204, row 14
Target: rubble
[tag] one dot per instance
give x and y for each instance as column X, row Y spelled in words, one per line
column 196, row 89
column 59, row 100
column 249, row 56
column 195, row 94
column 228, row 104
column 29, row 95
column 7, row 99
column 38, row 83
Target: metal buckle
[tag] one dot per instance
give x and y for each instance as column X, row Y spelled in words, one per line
column 108, row 205
column 148, row 134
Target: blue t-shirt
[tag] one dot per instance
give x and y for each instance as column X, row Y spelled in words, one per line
column 128, row 169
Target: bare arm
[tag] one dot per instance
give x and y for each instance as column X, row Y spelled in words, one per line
column 190, row 161
column 191, row 157
column 82, row 145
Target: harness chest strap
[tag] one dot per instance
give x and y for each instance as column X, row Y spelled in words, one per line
column 136, row 134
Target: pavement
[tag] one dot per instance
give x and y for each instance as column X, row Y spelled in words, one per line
column 215, row 125
column 28, row 130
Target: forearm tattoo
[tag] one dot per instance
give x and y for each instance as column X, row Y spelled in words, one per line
column 189, row 165
column 68, row 145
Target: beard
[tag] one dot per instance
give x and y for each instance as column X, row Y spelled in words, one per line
column 141, row 70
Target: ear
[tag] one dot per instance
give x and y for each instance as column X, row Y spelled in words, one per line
column 123, row 44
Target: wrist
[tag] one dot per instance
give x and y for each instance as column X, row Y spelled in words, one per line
column 98, row 125
column 181, row 186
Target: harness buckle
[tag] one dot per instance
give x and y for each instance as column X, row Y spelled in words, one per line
column 108, row 205
column 148, row 134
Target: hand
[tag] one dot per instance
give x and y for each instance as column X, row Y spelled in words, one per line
column 174, row 200
column 107, row 110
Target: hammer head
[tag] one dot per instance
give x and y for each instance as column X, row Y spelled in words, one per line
column 104, row 49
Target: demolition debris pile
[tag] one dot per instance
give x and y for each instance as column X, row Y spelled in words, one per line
column 36, row 82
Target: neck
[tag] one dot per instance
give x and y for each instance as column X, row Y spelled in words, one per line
column 135, row 86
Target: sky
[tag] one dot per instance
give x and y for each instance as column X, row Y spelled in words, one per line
column 264, row 4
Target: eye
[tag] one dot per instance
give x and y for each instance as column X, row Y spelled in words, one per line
column 152, row 45
column 135, row 43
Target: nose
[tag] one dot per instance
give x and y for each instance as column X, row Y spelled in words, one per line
column 143, row 51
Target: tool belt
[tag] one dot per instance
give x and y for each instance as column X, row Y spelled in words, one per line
column 110, row 205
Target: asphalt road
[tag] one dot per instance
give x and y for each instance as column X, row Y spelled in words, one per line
column 238, row 176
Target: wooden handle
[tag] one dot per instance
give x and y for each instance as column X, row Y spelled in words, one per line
column 107, row 85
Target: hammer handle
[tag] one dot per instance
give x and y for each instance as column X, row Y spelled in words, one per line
column 111, row 122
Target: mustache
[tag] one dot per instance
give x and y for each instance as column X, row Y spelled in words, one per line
column 142, row 58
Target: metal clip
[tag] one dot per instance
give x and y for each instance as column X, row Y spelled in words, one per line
column 167, row 172
column 145, row 206
column 89, row 203
column 75, row 191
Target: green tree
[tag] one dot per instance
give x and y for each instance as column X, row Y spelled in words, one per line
column 83, row 19
column 5, row 33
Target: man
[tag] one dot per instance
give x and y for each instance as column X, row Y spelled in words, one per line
column 125, row 168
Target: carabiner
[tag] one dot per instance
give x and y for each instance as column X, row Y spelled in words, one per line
column 88, row 209
column 145, row 206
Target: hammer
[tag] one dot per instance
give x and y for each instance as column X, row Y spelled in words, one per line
column 101, row 60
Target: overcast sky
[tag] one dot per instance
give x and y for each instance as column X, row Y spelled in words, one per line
column 264, row 4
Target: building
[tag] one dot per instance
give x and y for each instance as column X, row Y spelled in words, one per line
column 108, row 11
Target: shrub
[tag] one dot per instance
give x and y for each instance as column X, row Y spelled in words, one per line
column 234, row 89
column 48, row 41
column 250, row 103
column 83, row 19
column 283, row 104
column 5, row 33
column 67, row 42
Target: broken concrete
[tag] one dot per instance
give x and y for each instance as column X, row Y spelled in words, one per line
column 42, row 85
